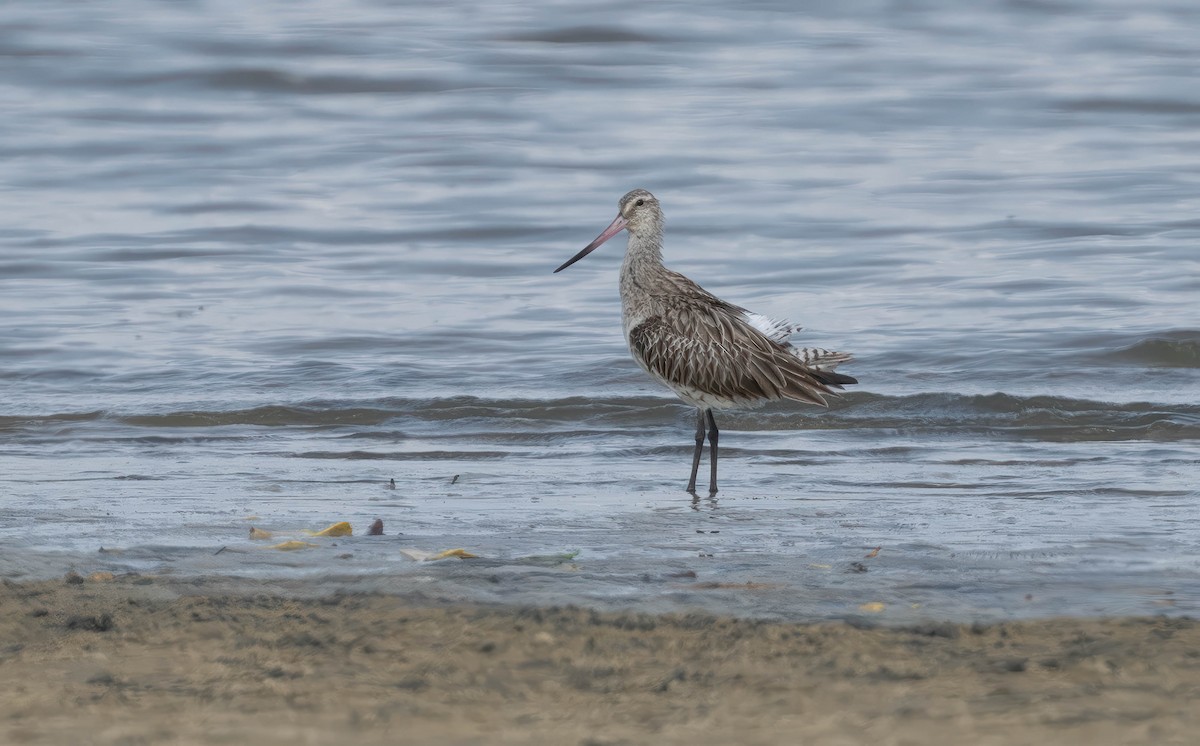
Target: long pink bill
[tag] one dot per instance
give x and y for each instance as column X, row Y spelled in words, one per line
column 613, row 229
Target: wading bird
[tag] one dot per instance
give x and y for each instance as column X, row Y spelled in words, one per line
column 712, row 354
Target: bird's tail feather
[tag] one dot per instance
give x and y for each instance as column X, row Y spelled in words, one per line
column 822, row 362
column 819, row 359
column 833, row 380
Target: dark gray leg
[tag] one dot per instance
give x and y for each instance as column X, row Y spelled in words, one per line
column 712, row 456
column 699, row 449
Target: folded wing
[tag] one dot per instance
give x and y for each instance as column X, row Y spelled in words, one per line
column 705, row 348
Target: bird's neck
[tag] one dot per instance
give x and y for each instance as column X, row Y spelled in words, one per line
column 643, row 254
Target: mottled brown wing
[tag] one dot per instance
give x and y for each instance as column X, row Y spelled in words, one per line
column 704, row 347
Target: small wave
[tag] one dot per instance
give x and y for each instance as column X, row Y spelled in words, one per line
column 269, row 80
column 588, row 35
column 1025, row 417
column 202, row 208
column 15, row 422
column 455, row 455
column 1130, row 105
column 270, row 416
column 1040, row 417
column 1176, row 350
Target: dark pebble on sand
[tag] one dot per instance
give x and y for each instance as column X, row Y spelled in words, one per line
column 90, row 622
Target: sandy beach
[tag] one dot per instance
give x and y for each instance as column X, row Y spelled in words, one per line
column 150, row 660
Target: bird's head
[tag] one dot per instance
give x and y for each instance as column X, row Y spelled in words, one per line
column 642, row 213
column 638, row 211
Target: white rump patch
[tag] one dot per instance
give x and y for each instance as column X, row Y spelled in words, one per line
column 777, row 330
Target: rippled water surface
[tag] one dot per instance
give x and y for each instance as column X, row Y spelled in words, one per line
column 258, row 259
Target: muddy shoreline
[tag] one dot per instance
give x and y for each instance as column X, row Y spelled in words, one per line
column 132, row 660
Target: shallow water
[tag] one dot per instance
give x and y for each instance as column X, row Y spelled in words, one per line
column 260, row 259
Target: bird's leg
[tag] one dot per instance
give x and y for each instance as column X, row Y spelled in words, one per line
column 699, row 449
column 712, row 456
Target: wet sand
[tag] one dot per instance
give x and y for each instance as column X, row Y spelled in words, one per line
column 140, row 660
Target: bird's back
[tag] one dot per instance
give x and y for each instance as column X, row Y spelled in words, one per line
column 714, row 354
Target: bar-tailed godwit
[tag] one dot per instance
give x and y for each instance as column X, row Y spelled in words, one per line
column 712, row 354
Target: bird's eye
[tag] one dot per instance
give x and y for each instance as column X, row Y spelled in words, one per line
column 639, row 203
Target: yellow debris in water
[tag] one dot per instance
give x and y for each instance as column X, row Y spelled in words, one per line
column 872, row 607
column 338, row 529
column 291, row 546
column 258, row 533
column 420, row 555
column 460, row 553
